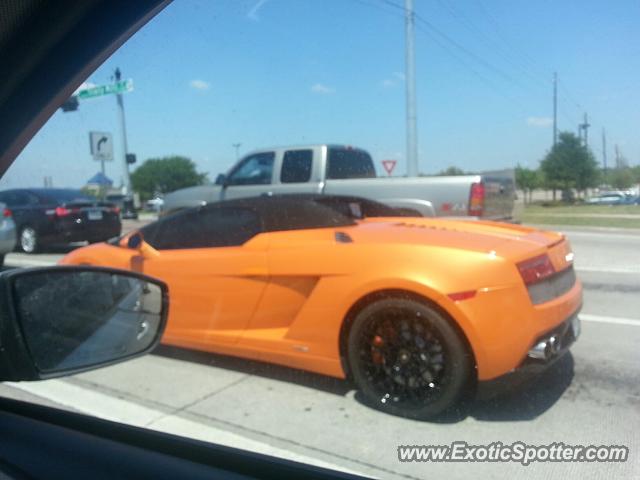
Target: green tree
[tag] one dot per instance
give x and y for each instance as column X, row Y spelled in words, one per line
column 527, row 180
column 622, row 178
column 451, row 171
column 569, row 165
column 163, row 175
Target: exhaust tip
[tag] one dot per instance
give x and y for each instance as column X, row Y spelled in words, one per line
column 545, row 349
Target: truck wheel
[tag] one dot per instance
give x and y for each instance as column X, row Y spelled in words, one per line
column 28, row 240
column 407, row 359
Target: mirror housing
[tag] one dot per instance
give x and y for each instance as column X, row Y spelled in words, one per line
column 221, row 179
column 136, row 242
column 57, row 321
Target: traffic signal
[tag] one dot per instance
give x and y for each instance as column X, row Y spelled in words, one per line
column 70, row 105
column 131, row 158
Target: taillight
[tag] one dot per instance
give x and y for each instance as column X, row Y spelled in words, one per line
column 6, row 213
column 476, row 199
column 536, row 269
column 115, row 210
column 63, row 211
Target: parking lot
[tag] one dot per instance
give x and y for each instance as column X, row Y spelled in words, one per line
column 590, row 397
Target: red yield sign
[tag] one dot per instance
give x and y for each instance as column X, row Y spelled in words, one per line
column 389, row 165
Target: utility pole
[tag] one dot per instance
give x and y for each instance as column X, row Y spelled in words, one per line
column 555, row 108
column 123, row 128
column 410, row 65
column 617, row 157
column 237, row 147
column 604, row 153
column 584, row 127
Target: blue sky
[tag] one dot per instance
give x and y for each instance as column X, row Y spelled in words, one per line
column 208, row 74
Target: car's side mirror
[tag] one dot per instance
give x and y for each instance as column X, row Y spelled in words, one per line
column 221, row 179
column 136, row 242
column 62, row 320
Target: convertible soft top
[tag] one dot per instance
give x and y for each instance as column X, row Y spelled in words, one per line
column 303, row 211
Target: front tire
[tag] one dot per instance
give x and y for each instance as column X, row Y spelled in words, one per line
column 407, row 358
column 28, row 240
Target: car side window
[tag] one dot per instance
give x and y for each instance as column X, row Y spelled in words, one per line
column 17, row 199
column 296, row 166
column 254, row 170
column 206, row 228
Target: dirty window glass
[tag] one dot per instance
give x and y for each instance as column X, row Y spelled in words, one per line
column 389, row 229
column 296, row 166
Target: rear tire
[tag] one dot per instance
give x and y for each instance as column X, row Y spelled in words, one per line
column 28, row 240
column 408, row 359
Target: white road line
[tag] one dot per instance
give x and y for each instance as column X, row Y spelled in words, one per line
column 609, row 269
column 604, row 319
column 607, row 235
column 44, row 263
column 104, row 406
column 29, row 262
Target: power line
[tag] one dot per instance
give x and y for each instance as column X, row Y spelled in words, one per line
column 496, row 46
column 444, row 41
column 460, row 53
column 456, row 44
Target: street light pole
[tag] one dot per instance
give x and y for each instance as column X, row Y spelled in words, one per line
column 237, row 147
column 410, row 77
column 555, row 108
column 123, row 130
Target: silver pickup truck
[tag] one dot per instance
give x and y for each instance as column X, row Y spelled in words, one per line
column 344, row 170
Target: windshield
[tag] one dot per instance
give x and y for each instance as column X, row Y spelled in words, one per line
column 53, row 195
column 424, row 237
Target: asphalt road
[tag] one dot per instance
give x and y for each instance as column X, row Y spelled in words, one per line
column 591, row 397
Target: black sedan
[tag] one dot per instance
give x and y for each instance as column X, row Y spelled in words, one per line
column 48, row 216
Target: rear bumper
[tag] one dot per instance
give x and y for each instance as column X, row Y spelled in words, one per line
column 561, row 338
column 68, row 232
column 7, row 236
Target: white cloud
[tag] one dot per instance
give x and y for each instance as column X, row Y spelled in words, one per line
column 199, row 84
column 541, row 122
column 396, row 78
column 253, row 13
column 322, row 89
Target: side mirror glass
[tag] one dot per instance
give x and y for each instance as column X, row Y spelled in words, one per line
column 135, row 241
column 61, row 320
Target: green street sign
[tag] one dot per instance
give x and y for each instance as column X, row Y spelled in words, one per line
column 122, row 86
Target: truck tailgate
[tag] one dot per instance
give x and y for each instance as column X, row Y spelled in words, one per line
column 499, row 194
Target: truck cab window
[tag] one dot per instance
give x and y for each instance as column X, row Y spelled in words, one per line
column 254, row 170
column 349, row 163
column 296, row 166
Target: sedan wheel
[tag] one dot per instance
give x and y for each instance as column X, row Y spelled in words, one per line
column 28, row 240
column 408, row 359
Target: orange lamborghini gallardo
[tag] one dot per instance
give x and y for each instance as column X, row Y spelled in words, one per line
column 414, row 310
